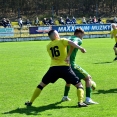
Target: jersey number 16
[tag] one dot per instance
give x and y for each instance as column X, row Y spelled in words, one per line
column 55, row 51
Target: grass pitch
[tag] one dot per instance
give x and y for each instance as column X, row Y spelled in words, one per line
column 22, row 65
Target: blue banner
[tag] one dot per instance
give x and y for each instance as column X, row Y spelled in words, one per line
column 39, row 30
column 85, row 27
column 6, row 32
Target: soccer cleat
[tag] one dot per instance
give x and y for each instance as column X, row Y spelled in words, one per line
column 82, row 104
column 28, row 103
column 115, row 59
column 66, row 99
column 90, row 102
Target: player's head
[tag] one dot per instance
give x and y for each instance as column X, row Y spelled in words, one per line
column 53, row 35
column 114, row 26
column 79, row 33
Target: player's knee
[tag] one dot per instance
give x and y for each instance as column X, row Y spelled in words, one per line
column 41, row 85
column 68, row 85
column 79, row 85
column 87, row 79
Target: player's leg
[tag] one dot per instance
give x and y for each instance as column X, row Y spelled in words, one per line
column 80, row 94
column 66, row 91
column 71, row 78
column 48, row 77
column 115, row 50
column 82, row 74
column 36, row 93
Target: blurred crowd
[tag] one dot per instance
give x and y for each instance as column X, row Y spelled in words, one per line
column 60, row 21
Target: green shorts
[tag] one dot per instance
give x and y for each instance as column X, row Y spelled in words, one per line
column 81, row 73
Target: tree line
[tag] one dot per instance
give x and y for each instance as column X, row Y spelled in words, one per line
column 54, row 8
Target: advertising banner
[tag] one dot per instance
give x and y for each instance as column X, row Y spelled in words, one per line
column 39, row 30
column 85, row 27
column 6, row 32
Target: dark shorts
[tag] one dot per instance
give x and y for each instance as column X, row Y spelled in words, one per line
column 64, row 72
column 115, row 45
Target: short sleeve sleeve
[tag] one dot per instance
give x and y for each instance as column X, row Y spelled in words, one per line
column 65, row 42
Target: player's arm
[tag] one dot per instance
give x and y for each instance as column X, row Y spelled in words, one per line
column 74, row 45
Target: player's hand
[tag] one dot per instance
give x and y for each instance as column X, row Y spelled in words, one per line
column 83, row 50
column 67, row 60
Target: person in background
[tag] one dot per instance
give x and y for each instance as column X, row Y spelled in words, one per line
column 8, row 23
column 45, row 21
column 84, row 20
column 68, row 21
column 4, row 23
column 94, row 20
column 51, row 21
column 28, row 23
column 37, row 21
column 61, row 21
column 90, row 20
column 115, row 20
column 73, row 20
column 20, row 23
column 99, row 20
column 114, row 34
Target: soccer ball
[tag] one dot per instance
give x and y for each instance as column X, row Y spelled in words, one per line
column 93, row 85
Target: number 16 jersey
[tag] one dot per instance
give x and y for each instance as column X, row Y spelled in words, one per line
column 57, row 50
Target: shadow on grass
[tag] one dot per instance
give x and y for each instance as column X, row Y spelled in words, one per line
column 37, row 110
column 106, row 91
column 104, row 62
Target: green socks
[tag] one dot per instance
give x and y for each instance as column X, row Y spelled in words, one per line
column 88, row 92
column 66, row 90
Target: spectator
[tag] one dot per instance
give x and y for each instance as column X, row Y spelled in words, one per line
column 61, row 21
column 51, row 22
column 73, row 20
column 115, row 20
column 8, row 23
column 99, row 20
column 45, row 21
column 90, row 20
column 84, row 20
column 68, row 21
column 28, row 23
column 20, row 23
column 94, row 20
column 4, row 22
column 37, row 21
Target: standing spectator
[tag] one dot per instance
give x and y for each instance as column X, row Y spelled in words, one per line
column 94, row 20
column 68, row 21
column 37, row 21
column 115, row 20
column 28, row 23
column 84, row 20
column 73, row 20
column 61, row 21
column 51, row 21
column 8, row 23
column 20, row 23
column 45, row 21
column 4, row 22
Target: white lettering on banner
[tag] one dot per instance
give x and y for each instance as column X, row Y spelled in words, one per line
column 44, row 29
column 101, row 27
column 61, row 29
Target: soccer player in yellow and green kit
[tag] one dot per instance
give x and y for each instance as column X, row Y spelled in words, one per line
column 60, row 68
column 81, row 73
column 114, row 34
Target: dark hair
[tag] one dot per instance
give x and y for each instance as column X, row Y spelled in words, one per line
column 78, row 30
column 50, row 32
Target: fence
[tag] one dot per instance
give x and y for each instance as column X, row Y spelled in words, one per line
column 92, row 31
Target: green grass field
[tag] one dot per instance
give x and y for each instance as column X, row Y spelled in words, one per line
column 22, row 65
